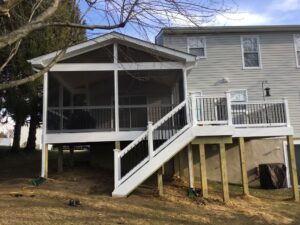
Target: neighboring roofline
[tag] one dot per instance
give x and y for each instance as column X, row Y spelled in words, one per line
column 89, row 45
column 228, row 29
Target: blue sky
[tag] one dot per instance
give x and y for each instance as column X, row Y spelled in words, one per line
column 243, row 12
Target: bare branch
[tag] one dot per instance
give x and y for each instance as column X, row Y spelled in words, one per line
column 6, row 6
column 23, row 31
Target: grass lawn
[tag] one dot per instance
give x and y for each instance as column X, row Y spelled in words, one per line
column 93, row 188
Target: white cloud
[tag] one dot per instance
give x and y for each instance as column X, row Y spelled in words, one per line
column 285, row 5
column 240, row 18
column 225, row 19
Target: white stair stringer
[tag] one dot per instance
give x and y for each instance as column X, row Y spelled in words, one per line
column 154, row 164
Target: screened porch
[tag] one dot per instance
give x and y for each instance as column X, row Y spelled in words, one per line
column 85, row 101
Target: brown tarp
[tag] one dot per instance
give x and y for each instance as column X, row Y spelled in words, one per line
column 272, row 176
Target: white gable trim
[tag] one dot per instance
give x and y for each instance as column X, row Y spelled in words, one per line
column 106, row 40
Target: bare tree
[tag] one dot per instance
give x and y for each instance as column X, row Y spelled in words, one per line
column 139, row 15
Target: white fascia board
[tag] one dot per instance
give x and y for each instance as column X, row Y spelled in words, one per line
column 108, row 39
column 111, row 66
column 263, row 132
column 84, row 137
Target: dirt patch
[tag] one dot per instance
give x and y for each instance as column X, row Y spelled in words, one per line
column 50, row 202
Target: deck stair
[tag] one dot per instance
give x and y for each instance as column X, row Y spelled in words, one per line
column 196, row 116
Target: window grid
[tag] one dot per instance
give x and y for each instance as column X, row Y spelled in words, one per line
column 197, row 46
column 251, row 52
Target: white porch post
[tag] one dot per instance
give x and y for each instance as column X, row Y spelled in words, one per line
column 184, row 74
column 44, row 170
column 287, row 116
column 116, row 87
column 229, row 111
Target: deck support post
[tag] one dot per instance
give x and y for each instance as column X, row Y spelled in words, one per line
column 243, row 164
column 118, row 145
column 176, row 166
column 191, row 167
column 293, row 167
column 203, row 174
column 71, row 156
column 44, row 173
column 60, row 159
column 160, row 181
column 224, row 175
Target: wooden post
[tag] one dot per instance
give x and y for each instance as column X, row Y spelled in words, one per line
column 203, row 171
column 243, row 164
column 45, row 161
column 224, row 175
column 60, row 159
column 117, row 145
column 293, row 167
column 181, row 162
column 176, row 166
column 160, row 182
column 191, row 167
column 71, row 156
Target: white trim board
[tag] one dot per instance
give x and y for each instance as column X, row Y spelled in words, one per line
column 116, row 66
column 83, row 137
column 111, row 38
column 263, row 132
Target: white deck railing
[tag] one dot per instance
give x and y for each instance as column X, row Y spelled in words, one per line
column 219, row 110
column 197, row 110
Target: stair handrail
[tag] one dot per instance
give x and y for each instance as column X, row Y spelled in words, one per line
column 154, row 126
column 118, row 154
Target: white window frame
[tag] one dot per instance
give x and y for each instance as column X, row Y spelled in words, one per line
column 296, row 52
column 244, row 90
column 205, row 46
column 259, row 52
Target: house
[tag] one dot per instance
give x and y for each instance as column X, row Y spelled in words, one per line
column 200, row 89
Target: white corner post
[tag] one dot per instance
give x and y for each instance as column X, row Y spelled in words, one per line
column 191, row 167
column 229, row 111
column 184, row 74
column 117, row 162
column 287, row 112
column 116, row 87
column 150, row 139
column 44, row 170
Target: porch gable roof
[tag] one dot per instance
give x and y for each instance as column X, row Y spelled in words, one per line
column 107, row 39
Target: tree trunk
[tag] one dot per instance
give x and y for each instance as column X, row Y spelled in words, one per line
column 17, row 135
column 30, row 146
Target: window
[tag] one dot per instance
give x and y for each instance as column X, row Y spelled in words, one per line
column 297, row 48
column 251, row 52
column 197, row 46
column 239, row 95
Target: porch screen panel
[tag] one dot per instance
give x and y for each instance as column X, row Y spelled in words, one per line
column 81, row 101
column 147, row 96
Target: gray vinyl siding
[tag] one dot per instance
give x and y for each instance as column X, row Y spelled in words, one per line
column 225, row 61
